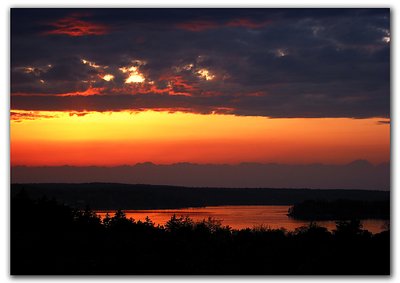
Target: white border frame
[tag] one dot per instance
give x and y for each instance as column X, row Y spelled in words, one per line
column 6, row 5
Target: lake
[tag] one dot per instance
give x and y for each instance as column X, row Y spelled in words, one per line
column 239, row 217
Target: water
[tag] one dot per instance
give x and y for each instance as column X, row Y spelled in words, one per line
column 239, row 217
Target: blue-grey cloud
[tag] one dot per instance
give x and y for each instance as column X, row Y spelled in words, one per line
column 268, row 62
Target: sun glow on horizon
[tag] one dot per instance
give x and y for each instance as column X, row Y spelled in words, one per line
column 115, row 138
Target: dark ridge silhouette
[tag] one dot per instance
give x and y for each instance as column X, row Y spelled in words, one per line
column 48, row 238
column 340, row 209
column 124, row 196
column 359, row 174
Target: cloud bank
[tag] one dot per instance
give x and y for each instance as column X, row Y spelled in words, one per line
column 256, row 62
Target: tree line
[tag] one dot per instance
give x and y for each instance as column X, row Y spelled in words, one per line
column 49, row 238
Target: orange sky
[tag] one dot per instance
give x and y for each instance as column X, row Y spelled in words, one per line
column 60, row 138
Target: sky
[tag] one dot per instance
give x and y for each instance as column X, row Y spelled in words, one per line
column 111, row 87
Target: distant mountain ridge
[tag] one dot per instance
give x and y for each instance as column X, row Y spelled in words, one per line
column 359, row 174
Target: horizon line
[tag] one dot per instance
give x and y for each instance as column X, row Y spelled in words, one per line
column 355, row 161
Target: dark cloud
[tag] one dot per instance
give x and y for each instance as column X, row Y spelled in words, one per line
column 73, row 25
column 268, row 62
column 19, row 117
column 302, row 106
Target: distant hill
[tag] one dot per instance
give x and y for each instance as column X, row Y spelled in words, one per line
column 359, row 174
column 125, row 196
column 340, row 210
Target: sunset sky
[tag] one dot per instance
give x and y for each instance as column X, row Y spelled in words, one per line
column 112, row 87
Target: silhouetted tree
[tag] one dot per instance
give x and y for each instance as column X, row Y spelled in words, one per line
column 182, row 223
column 350, row 229
column 50, row 238
column 119, row 221
column 106, row 220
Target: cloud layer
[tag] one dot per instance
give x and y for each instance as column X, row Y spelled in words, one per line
column 264, row 62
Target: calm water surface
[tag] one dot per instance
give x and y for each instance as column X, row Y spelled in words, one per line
column 238, row 217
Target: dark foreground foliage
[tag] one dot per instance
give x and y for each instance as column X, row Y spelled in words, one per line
column 51, row 239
